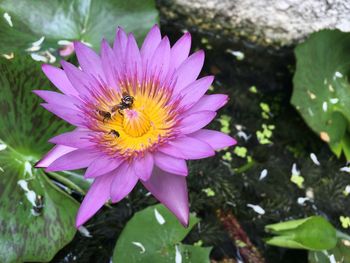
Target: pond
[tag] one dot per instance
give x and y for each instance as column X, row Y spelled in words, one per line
column 289, row 163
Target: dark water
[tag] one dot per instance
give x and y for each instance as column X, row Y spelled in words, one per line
column 235, row 184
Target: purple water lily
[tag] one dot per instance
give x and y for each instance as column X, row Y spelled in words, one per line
column 139, row 115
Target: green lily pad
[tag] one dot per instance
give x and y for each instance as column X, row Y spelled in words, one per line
column 194, row 254
column 36, row 217
column 153, row 235
column 312, row 233
column 321, row 88
column 84, row 20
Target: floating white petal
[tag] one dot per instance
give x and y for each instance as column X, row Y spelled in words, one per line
column 314, row 159
column 138, row 244
column 159, row 217
column 263, row 174
column 178, row 256
column 84, row 231
column 8, row 19
column 257, row 209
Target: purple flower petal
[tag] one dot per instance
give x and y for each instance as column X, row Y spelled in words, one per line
column 193, row 92
column 209, row 102
column 133, row 66
column 150, row 44
column 74, row 160
column 79, row 138
column 124, row 181
column 102, row 165
column 109, row 61
column 55, row 153
column 120, row 43
column 143, row 166
column 170, row 164
column 196, row 121
column 171, row 190
column 67, row 114
column 187, row 148
column 58, row 98
column 79, row 79
column 189, row 71
column 89, row 61
column 159, row 64
column 96, row 197
column 181, row 50
column 217, row 140
column 59, row 79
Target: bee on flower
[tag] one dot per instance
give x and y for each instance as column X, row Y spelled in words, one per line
column 139, row 115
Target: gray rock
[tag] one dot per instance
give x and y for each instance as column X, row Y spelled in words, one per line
column 263, row 22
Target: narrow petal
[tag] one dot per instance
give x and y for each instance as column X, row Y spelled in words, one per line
column 96, row 197
column 189, row 71
column 79, row 79
column 101, row 166
column 170, row 164
column 193, row 92
column 56, row 152
column 109, row 63
column 143, row 166
column 133, row 59
column 58, row 98
column 59, row 78
column 89, row 61
column 171, row 190
column 79, row 138
column 159, row 64
column 181, row 50
column 124, row 181
column 187, row 148
column 196, row 121
column 150, row 44
column 209, row 102
column 120, row 42
column 217, row 140
column 69, row 115
column 77, row 159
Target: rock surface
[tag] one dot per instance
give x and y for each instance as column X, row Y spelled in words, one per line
column 264, row 22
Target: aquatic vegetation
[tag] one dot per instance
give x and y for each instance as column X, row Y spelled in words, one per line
column 240, row 151
column 313, row 233
column 135, row 244
column 321, row 88
column 225, row 123
column 36, row 216
column 265, row 134
column 46, row 30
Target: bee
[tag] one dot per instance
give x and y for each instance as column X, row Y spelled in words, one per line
column 114, row 133
column 105, row 114
column 125, row 103
column 39, row 205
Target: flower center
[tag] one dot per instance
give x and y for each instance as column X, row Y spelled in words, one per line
column 130, row 127
column 136, row 123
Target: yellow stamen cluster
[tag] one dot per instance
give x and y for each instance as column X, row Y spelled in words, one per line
column 148, row 121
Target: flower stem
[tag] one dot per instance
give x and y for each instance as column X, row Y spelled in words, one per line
column 66, row 182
